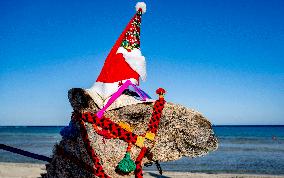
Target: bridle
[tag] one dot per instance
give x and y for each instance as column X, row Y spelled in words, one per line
column 109, row 129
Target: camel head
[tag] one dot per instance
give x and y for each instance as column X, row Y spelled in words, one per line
column 182, row 132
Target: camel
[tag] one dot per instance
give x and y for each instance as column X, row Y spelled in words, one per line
column 182, row 132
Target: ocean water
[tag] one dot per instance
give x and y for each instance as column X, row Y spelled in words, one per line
column 242, row 149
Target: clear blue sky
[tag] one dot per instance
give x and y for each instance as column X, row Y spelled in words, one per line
column 222, row 58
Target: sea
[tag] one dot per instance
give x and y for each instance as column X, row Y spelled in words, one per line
column 242, row 149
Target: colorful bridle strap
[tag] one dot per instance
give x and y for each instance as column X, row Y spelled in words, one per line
column 110, row 129
column 118, row 132
column 119, row 92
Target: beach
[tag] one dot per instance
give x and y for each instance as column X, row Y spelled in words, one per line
column 244, row 151
column 25, row 170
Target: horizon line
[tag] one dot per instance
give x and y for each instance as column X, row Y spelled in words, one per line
column 214, row 125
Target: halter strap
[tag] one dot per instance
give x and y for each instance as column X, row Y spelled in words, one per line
column 128, row 83
column 116, row 131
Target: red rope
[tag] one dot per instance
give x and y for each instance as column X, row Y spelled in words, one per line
column 156, row 115
column 152, row 127
column 97, row 167
column 109, row 127
column 138, row 171
column 112, row 130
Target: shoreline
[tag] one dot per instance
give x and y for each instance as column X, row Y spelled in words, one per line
column 33, row 170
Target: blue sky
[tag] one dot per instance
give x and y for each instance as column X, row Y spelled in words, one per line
column 222, row 58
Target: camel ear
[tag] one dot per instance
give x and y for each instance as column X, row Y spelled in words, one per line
column 81, row 101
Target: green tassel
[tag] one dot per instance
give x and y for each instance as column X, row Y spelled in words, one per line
column 126, row 165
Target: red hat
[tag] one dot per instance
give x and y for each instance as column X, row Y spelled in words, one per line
column 125, row 61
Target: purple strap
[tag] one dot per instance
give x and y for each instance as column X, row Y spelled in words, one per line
column 118, row 93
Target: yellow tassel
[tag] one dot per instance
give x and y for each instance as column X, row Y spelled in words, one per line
column 150, row 136
column 140, row 141
column 125, row 126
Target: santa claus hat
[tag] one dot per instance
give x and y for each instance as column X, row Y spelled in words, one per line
column 125, row 61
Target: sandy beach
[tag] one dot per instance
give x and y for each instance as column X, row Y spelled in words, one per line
column 23, row 170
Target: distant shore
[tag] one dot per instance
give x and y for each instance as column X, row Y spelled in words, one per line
column 25, row 170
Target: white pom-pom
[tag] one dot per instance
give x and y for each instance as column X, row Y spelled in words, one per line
column 141, row 5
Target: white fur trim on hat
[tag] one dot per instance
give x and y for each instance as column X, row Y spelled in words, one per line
column 126, row 100
column 107, row 89
column 136, row 61
column 121, row 101
column 141, row 5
